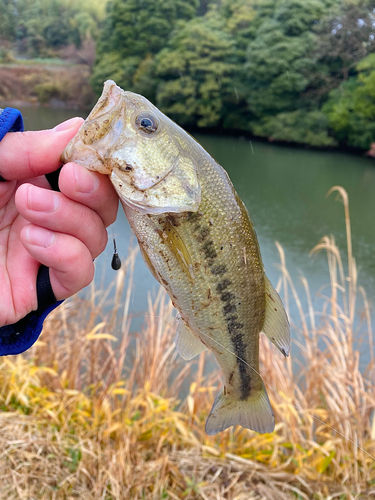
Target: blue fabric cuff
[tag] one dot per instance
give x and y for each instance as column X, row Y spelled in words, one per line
column 20, row 336
column 10, row 121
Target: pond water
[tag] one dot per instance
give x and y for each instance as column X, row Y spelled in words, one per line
column 285, row 191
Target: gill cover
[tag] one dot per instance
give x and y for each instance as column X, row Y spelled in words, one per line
column 144, row 153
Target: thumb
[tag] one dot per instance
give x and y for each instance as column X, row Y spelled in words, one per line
column 30, row 154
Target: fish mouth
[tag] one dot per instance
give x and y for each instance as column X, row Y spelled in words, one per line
column 78, row 152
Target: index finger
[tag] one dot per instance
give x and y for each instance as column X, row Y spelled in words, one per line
column 29, row 154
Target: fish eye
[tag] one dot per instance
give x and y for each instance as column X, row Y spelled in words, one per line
column 147, row 122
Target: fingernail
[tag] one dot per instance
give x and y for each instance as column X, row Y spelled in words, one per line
column 86, row 181
column 42, row 200
column 39, row 236
column 72, row 122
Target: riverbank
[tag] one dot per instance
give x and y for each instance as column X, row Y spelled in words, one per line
column 93, row 411
column 52, row 83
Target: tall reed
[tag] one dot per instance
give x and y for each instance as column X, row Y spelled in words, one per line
column 97, row 411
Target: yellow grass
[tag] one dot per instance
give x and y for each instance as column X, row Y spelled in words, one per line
column 92, row 411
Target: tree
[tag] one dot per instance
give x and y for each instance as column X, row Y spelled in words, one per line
column 299, row 127
column 134, row 31
column 197, row 72
column 240, row 21
column 279, row 60
column 279, row 70
column 351, row 107
column 40, row 26
column 345, row 36
column 7, row 21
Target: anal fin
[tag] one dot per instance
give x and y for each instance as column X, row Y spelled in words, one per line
column 276, row 325
column 188, row 345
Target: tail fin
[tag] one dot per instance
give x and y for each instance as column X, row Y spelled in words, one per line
column 253, row 413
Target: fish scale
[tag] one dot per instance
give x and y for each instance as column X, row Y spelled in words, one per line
column 197, row 238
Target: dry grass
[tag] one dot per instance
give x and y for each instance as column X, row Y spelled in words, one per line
column 48, row 84
column 92, row 411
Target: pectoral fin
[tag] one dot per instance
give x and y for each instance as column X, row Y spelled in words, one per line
column 188, row 345
column 276, row 325
column 173, row 240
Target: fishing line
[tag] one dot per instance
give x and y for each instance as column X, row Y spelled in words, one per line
column 294, row 406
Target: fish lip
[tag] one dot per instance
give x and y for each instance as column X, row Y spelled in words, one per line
column 88, row 157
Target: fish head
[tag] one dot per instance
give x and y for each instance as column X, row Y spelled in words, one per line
column 145, row 154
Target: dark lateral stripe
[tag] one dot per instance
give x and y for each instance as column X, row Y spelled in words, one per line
column 203, row 234
column 229, row 307
column 209, row 250
column 219, row 269
column 239, row 348
column 227, row 296
column 222, row 285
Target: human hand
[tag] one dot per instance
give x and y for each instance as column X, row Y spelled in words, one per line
column 64, row 231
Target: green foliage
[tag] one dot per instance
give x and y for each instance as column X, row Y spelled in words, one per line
column 7, row 20
column 240, row 20
column 280, row 63
column 139, row 27
column 134, row 31
column 197, row 71
column 264, row 66
column 298, row 16
column 278, row 70
column 39, row 26
column 49, row 90
column 113, row 66
column 298, row 127
column 351, row 107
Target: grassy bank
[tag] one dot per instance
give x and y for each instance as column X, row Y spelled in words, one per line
column 92, row 411
column 46, row 82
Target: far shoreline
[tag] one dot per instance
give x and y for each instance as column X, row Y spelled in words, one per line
column 55, row 103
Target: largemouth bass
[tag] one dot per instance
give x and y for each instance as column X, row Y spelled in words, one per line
column 197, row 239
